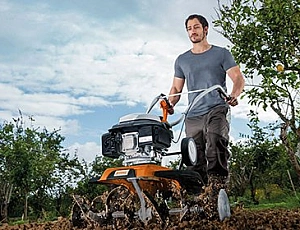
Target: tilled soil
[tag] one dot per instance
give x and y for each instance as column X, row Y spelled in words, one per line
column 240, row 219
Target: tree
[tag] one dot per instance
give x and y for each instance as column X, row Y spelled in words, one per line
column 265, row 35
column 35, row 163
column 5, row 184
column 98, row 166
column 257, row 162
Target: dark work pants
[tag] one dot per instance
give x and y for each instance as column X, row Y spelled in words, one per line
column 210, row 132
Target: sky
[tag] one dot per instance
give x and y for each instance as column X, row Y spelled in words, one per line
column 79, row 66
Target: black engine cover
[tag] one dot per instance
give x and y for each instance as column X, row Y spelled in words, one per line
column 152, row 132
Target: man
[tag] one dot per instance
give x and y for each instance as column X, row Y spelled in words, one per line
column 201, row 67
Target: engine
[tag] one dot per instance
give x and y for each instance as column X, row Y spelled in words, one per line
column 140, row 138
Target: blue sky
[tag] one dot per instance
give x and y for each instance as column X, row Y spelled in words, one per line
column 81, row 65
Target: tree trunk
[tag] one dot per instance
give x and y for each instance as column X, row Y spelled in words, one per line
column 253, row 191
column 4, row 217
column 290, row 151
column 5, row 194
column 26, row 207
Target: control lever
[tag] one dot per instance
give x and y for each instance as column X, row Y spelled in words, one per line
column 165, row 105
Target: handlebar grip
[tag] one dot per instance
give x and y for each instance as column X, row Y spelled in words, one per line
column 168, row 103
column 164, row 97
column 164, row 105
column 224, row 95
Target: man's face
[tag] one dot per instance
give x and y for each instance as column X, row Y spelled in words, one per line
column 195, row 31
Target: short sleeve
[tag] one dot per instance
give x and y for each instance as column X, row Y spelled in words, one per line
column 228, row 61
column 178, row 70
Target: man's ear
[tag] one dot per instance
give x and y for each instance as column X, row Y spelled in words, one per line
column 205, row 30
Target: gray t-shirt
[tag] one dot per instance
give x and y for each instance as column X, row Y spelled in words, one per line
column 202, row 71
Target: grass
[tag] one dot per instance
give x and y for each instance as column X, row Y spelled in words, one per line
column 289, row 202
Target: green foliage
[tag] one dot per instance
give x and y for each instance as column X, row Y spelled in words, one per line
column 286, row 201
column 98, row 166
column 265, row 33
column 258, row 163
column 36, row 164
column 174, row 164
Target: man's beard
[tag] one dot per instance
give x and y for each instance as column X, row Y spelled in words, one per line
column 198, row 40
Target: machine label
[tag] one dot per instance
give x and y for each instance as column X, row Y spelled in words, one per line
column 145, row 139
column 123, row 172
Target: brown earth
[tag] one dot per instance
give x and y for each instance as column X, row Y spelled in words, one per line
column 240, row 219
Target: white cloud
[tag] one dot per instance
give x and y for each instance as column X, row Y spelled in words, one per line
column 242, row 110
column 87, row 151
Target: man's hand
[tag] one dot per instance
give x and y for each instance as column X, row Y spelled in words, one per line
column 232, row 101
column 171, row 109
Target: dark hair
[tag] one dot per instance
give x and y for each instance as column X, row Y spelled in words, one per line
column 200, row 18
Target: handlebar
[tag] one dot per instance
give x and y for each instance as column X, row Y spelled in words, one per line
column 199, row 97
column 165, row 102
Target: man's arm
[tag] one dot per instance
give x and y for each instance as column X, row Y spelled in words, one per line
column 177, row 87
column 238, row 84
